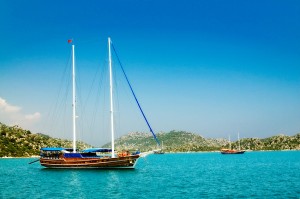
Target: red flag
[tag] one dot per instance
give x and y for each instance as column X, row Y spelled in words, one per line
column 69, row 41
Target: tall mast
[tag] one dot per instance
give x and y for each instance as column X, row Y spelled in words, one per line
column 111, row 101
column 229, row 143
column 74, row 101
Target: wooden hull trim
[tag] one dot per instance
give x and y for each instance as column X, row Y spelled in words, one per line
column 232, row 152
column 90, row 163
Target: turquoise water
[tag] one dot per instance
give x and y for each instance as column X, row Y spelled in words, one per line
column 184, row 175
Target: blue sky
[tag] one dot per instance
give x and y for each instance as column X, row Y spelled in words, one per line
column 210, row 67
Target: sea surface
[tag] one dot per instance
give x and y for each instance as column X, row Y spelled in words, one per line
column 181, row 175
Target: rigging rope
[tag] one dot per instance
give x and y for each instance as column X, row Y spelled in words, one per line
column 134, row 95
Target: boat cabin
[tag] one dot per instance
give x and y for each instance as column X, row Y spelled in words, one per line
column 59, row 153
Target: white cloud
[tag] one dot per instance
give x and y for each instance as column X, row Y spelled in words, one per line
column 12, row 115
column 32, row 117
column 7, row 107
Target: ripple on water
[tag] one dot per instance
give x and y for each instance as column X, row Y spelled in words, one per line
column 191, row 175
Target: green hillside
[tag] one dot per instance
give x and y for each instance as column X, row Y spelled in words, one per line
column 16, row 142
column 174, row 141
column 181, row 141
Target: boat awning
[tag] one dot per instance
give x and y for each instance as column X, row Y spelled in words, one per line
column 94, row 150
column 52, row 149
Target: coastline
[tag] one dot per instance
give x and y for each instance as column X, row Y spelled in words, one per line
column 33, row 156
column 172, row 152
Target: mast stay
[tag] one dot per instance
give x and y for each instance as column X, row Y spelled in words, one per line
column 156, row 139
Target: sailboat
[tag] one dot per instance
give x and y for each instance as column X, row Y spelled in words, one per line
column 159, row 150
column 233, row 151
column 99, row 158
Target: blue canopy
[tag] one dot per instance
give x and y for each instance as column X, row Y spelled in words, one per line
column 94, row 150
column 52, row 149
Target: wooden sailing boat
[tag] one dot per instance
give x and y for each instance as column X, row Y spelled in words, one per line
column 233, row 151
column 90, row 158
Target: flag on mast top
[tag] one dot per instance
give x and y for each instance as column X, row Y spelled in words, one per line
column 70, row 41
